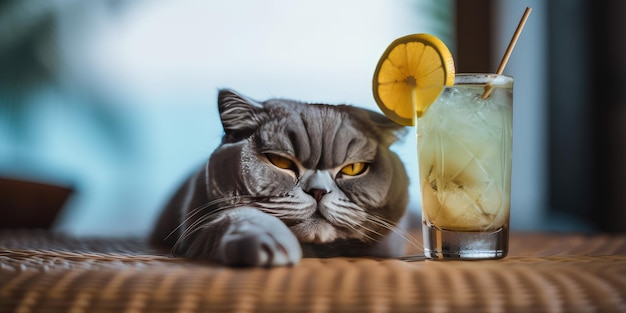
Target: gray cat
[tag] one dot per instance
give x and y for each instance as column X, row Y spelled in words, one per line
column 290, row 180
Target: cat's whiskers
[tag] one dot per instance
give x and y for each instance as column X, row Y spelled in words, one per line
column 276, row 213
column 199, row 209
column 348, row 215
column 197, row 225
column 285, row 207
column 348, row 218
column 189, row 230
column 365, row 235
column 371, row 230
column 405, row 235
column 192, row 213
column 282, row 205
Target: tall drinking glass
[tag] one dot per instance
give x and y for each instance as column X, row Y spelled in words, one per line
column 464, row 150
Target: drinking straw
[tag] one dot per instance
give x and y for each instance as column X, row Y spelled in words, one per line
column 509, row 49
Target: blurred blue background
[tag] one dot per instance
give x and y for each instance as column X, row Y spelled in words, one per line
column 118, row 98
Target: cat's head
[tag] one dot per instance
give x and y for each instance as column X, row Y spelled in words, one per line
column 325, row 170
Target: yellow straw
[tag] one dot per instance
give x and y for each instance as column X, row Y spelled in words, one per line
column 507, row 54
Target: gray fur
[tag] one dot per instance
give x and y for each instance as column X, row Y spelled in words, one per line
column 240, row 209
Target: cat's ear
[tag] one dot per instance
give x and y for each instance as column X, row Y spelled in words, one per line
column 240, row 115
column 389, row 130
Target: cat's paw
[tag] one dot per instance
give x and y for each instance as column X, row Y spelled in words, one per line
column 254, row 238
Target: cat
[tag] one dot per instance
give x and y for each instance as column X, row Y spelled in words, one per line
column 291, row 180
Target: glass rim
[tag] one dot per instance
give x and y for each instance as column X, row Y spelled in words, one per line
column 498, row 80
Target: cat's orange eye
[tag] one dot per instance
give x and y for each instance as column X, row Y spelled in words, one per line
column 354, row 169
column 280, row 161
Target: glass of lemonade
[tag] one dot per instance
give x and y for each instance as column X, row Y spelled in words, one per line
column 464, row 150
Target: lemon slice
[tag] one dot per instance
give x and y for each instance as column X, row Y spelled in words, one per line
column 410, row 76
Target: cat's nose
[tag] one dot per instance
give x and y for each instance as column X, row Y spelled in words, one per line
column 317, row 194
column 317, row 184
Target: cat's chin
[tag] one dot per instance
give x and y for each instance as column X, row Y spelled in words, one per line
column 315, row 230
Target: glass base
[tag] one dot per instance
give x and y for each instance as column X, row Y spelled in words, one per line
column 464, row 245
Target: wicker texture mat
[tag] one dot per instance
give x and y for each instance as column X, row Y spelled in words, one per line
column 40, row 272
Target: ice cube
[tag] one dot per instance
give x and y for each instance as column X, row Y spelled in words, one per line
column 460, row 211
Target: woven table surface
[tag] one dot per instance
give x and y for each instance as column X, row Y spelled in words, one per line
column 44, row 272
